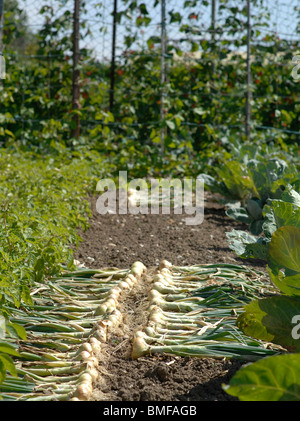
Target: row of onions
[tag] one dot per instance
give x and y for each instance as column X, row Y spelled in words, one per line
column 193, row 312
column 66, row 325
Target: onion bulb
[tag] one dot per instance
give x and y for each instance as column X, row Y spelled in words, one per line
column 165, row 264
column 83, row 392
column 166, row 272
column 149, row 331
column 101, row 309
column 124, row 285
column 100, row 334
column 85, row 377
column 129, row 281
column 139, row 348
column 131, row 277
column 83, row 355
column 93, row 373
column 139, row 334
column 110, row 302
column 95, row 345
column 138, row 268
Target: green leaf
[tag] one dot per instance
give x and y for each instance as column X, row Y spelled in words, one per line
column 170, row 124
column 273, row 378
column 214, row 185
column 8, row 349
column 238, row 214
column 255, row 208
column 255, row 227
column 285, row 213
column 246, row 245
column 16, row 331
column 290, row 195
column 289, row 285
column 8, row 364
column 236, row 178
column 199, row 111
column 270, row 319
column 284, row 248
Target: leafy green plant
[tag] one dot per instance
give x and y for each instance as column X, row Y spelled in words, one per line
column 275, row 214
column 42, row 209
column 272, row 319
column 270, row 178
column 9, row 350
column 269, row 379
column 233, row 182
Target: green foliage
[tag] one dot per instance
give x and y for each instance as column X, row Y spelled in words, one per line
column 272, row 319
column 7, row 351
column 204, row 102
column 234, row 184
column 45, row 173
column 42, row 210
column 269, row 379
column 275, row 214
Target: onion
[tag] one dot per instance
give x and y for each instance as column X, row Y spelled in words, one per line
column 114, row 319
column 139, row 334
column 116, row 291
column 100, row 334
column 153, row 294
column 93, row 372
column 111, row 303
column 124, row 285
column 94, row 340
column 129, row 281
column 165, row 264
column 93, row 361
column 86, row 347
column 95, row 345
column 131, row 277
column 101, row 310
column 113, row 295
column 163, row 279
column 138, row 268
column 156, row 318
column 83, row 392
column 139, row 348
column 150, row 331
column 166, row 272
column 83, row 355
column 85, row 378
column 162, row 287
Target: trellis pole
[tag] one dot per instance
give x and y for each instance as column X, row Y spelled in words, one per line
column 248, row 92
column 2, row 61
column 163, row 73
column 213, row 29
column 113, row 58
column 76, row 73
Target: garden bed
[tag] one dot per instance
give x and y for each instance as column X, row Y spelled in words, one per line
column 120, row 240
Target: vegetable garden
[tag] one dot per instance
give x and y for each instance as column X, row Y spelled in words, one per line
column 142, row 307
